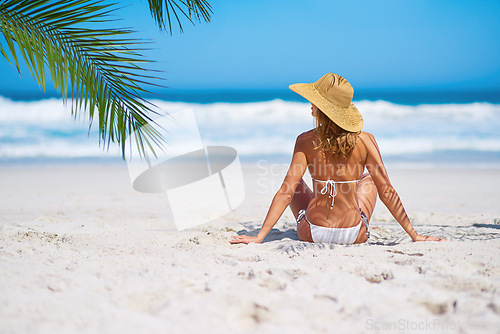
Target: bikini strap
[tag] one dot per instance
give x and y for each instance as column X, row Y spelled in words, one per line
column 333, row 188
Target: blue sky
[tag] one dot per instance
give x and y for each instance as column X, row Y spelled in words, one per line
column 399, row 44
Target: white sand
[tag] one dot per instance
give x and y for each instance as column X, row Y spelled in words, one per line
column 80, row 251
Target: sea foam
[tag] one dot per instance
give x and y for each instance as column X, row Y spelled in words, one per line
column 46, row 128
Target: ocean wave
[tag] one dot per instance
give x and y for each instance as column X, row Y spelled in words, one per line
column 46, row 128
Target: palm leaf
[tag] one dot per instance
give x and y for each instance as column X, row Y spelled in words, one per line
column 100, row 65
column 163, row 12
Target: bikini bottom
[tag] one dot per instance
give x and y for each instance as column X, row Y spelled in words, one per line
column 336, row 235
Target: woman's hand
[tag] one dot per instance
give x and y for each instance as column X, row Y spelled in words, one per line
column 427, row 238
column 245, row 239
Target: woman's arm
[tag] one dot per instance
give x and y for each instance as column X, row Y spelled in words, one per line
column 282, row 198
column 386, row 191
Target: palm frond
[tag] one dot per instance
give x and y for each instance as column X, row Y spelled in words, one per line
column 164, row 11
column 99, row 66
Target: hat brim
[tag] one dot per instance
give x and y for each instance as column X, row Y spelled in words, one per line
column 349, row 118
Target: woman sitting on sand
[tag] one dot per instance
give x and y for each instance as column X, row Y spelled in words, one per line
column 336, row 153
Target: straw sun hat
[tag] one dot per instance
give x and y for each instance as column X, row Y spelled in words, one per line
column 332, row 94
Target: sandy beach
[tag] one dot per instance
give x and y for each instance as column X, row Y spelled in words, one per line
column 82, row 252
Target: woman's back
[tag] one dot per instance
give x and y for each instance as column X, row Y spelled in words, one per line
column 342, row 209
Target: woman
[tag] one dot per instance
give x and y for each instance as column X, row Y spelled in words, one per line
column 336, row 153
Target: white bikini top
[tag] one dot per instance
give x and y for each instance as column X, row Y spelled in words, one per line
column 333, row 188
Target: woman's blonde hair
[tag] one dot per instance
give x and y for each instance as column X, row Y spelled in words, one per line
column 333, row 138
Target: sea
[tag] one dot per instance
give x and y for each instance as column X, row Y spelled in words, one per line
column 413, row 128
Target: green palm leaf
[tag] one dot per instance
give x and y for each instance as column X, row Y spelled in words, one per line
column 100, row 66
column 163, row 12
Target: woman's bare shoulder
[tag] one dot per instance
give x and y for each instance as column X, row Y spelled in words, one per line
column 367, row 138
column 365, row 135
column 308, row 135
column 305, row 140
